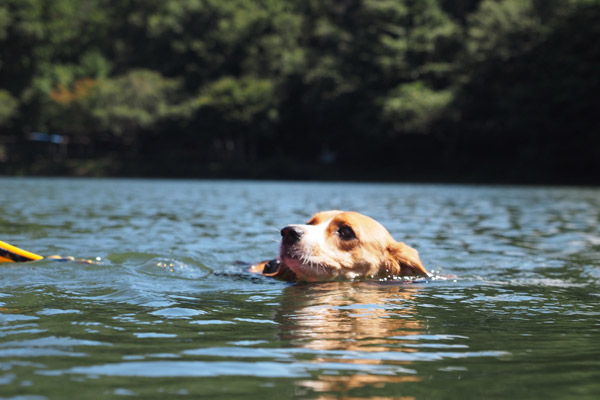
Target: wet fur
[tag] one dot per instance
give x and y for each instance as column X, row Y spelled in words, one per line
column 322, row 253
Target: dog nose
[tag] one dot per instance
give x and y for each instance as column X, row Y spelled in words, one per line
column 291, row 234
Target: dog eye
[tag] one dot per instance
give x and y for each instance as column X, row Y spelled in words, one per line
column 346, row 233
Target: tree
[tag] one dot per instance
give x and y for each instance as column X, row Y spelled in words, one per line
column 529, row 90
column 414, row 107
column 236, row 113
column 128, row 104
column 8, row 106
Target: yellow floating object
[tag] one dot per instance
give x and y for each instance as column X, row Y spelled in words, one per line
column 10, row 253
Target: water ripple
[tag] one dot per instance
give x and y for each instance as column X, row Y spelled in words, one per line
column 512, row 308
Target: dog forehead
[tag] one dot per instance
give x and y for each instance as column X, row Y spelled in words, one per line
column 363, row 224
column 360, row 222
column 323, row 216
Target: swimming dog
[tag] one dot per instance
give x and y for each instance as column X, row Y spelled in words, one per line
column 332, row 245
column 340, row 245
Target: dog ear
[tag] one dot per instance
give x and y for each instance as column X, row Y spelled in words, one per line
column 406, row 259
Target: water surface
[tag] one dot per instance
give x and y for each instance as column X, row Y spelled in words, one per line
column 170, row 312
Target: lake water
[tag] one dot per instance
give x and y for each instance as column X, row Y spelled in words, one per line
column 170, row 312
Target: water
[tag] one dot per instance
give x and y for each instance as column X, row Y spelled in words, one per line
column 169, row 311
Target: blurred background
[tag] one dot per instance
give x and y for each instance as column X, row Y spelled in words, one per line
column 387, row 90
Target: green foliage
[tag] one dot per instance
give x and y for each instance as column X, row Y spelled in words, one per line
column 527, row 100
column 503, row 29
column 8, row 106
column 122, row 106
column 127, row 104
column 239, row 100
column 413, row 107
column 237, row 80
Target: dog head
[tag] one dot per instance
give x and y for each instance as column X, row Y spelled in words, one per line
column 346, row 245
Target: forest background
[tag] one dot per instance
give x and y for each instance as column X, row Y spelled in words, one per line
column 387, row 90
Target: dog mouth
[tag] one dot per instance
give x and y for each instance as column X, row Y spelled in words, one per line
column 300, row 262
column 292, row 257
column 307, row 271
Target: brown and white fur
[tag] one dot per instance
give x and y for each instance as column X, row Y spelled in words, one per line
column 340, row 245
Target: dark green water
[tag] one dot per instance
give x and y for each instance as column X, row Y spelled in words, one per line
column 169, row 313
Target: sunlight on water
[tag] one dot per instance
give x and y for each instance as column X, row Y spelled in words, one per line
column 169, row 307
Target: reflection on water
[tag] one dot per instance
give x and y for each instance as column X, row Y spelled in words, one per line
column 349, row 316
column 349, row 321
column 170, row 313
